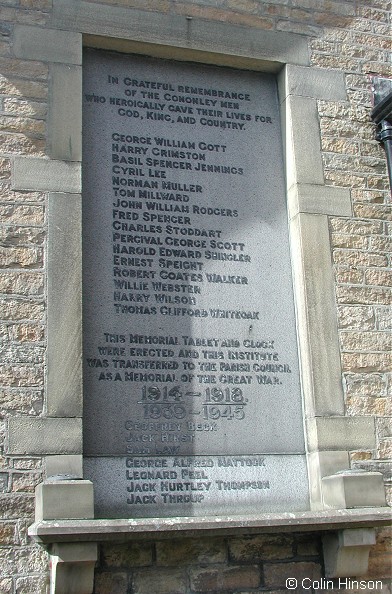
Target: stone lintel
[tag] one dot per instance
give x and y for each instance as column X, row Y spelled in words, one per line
column 181, row 31
column 181, row 54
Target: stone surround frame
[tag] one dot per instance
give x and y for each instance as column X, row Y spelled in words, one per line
column 57, row 434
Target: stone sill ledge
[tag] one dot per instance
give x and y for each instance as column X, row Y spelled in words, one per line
column 51, row 531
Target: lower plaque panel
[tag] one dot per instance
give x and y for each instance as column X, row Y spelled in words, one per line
column 140, row 487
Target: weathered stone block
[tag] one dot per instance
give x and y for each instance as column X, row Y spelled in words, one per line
column 127, row 555
column 72, row 568
column 303, row 149
column 8, row 195
column 362, row 455
column 6, row 585
column 383, row 318
column 31, row 584
column 5, row 167
column 64, row 374
column 275, row 575
column 25, row 107
column 378, row 277
column 164, row 581
column 381, row 244
column 17, row 235
column 366, row 341
column 191, row 551
column 65, row 113
column 317, row 323
column 380, row 565
column 356, row 317
column 254, row 549
column 341, row 433
column 65, row 499
column 308, row 544
column 22, row 125
column 354, row 489
column 318, row 199
column 24, row 68
column 350, row 241
column 366, row 384
column 369, row 405
column 3, row 482
column 21, row 375
column 385, row 447
column 71, row 465
column 44, row 435
column 16, row 506
column 23, row 400
column 346, row 553
column 21, row 257
column 367, row 362
column 373, row 211
column 364, row 295
column 113, row 582
column 25, row 482
column 22, row 214
column 225, row 578
column 27, row 463
column 313, row 82
column 22, row 283
column 357, row 258
column 354, row 226
column 348, row 276
column 8, row 534
column 46, row 175
column 23, row 88
column 48, row 45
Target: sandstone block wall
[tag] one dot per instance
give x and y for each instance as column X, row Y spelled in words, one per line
column 254, row 563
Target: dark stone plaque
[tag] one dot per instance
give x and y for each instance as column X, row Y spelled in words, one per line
column 192, row 395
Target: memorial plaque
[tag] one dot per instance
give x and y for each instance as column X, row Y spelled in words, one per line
column 192, row 396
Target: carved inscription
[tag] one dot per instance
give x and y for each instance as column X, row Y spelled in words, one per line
column 162, row 481
column 189, row 340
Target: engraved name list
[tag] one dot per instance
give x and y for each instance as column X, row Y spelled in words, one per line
column 192, row 396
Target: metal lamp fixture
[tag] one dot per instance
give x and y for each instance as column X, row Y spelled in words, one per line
column 382, row 117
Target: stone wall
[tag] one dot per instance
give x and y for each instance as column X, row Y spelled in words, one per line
column 254, row 563
column 243, row 564
column 24, row 88
column 346, row 35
